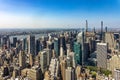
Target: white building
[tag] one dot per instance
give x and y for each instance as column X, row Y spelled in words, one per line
column 102, row 55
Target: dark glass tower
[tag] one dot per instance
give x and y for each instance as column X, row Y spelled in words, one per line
column 78, row 53
column 57, row 46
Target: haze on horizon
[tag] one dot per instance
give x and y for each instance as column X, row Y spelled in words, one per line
column 58, row 13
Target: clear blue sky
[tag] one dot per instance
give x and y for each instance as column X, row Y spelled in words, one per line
column 58, row 13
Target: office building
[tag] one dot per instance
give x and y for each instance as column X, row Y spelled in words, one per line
column 78, row 53
column 14, row 41
column 5, row 71
column 54, row 68
column 61, row 51
column 50, row 45
column 49, row 55
column 38, row 46
column 31, row 60
column 101, row 37
column 70, row 73
column 43, row 61
column 25, row 44
column 117, row 74
column 35, row 73
column 102, row 55
column 63, row 44
column 86, row 26
column 57, row 46
column 63, row 66
column 22, row 59
column 31, row 44
column 81, row 40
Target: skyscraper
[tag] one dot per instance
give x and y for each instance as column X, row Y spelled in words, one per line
column 86, row 26
column 24, row 44
column 57, row 46
column 38, row 46
column 70, row 74
column 43, row 61
column 22, row 59
column 81, row 40
column 35, row 73
column 117, row 74
column 14, row 41
column 31, row 44
column 101, row 30
column 54, row 68
column 63, row 44
column 78, row 53
column 61, row 51
column 102, row 55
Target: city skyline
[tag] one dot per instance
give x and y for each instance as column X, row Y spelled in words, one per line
column 60, row 13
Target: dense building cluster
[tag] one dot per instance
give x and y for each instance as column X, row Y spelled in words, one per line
column 67, row 55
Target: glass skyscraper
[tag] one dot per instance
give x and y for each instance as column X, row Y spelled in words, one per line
column 78, row 53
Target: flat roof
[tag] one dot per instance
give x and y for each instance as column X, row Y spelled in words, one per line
column 101, row 43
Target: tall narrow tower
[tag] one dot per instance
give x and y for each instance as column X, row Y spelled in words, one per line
column 101, row 30
column 86, row 26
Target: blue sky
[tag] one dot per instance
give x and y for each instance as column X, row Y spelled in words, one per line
column 58, row 13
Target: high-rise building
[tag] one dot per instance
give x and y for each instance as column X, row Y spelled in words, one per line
column 63, row 66
column 5, row 71
column 0, row 41
column 24, row 44
column 8, row 43
column 38, row 46
column 31, row 60
column 86, row 26
column 4, row 40
column 57, row 46
column 63, row 44
column 35, row 73
column 49, row 55
column 69, row 61
column 78, row 53
column 22, row 59
column 15, row 73
column 106, row 30
column 109, row 38
column 117, row 74
column 61, row 51
column 68, row 49
column 81, row 40
column 102, row 55
column 14, row 41
column 86, row 52
column 31, row 44
column 47, row 75
column 70, row 73
column 50, row 45
column 43, row 61
column 101, row 30
column 92, row 46
column 54, row 68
